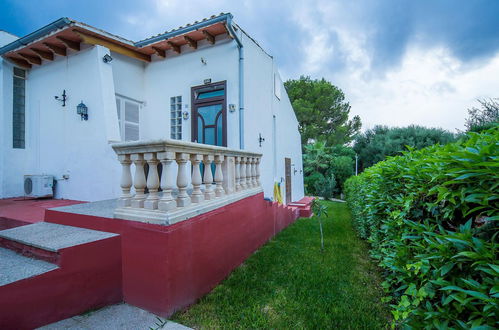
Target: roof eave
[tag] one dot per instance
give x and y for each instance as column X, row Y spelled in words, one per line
column 186, row 29
column 58, row 24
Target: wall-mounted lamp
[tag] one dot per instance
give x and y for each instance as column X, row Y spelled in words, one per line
column 62, row 98
column 232, row 107
column 185, row 115
column 203, row 60
column 260, row 139
column 82, row 110
column 107, row 58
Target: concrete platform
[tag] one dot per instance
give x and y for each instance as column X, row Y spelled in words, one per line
column 103, row 209
column 15, row 267
column 53, row 237
column 121, row 316
column 29, row 210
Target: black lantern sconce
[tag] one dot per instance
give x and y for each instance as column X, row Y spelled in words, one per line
column 82, row 110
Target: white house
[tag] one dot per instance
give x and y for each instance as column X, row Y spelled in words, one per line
column 207, row 82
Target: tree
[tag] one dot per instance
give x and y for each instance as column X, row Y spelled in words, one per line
column 374, row 145
column 484, row 117
column 322, row 111
column 316, row 160
column 327, row 168
column 342, row 167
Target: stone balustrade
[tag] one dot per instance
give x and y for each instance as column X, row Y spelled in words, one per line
column 182, row 179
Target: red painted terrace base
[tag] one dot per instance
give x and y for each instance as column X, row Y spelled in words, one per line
column 162, row 268
column 19, row 211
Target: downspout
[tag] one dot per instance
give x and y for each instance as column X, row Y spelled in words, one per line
column 241, row 80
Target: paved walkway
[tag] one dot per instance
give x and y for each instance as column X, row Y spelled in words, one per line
column 121, row 316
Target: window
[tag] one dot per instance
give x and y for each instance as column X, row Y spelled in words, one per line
column 128, row 117
column 18, row 110
column 176, row 117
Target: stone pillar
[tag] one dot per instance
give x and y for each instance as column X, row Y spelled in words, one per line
column 152, row 199
column 208, row 178
column 242, row 180
column 183, row 198
column 258, row 183
column 228, row 171
column 219, row 177
column 238, row 175
column 248, row 172
column 253, row 172
column 139, row 181
column 197, row 194
column 166, row 201
column 126, row 181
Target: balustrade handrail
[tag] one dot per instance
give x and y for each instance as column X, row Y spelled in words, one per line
column 236, row 175
column 144, row 146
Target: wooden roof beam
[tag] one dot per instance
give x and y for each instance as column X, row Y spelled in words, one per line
column 19, row 62
column 55, row 49
column 32, row 59
column 93, row 40
column 176, row 48
column 192, row 43
column 69, row 43
column 160, row 52
column 209, row 37
column 43, row 54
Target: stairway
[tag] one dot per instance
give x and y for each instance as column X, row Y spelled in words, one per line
column 50, row 272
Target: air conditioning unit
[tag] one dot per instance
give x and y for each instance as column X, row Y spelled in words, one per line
column 38, row 186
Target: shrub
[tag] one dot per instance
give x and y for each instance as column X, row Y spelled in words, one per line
column 430, row 217
column 326, row 186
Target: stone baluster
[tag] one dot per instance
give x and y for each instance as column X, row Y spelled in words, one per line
column 248, row 172
column 126, row 181
column 183, row 198
column 139, row 181
column 242, row 180
column 208, row 178
column 219, row 177
column 253, row 172
column 152, row 199
column 237, row 161
column 166, row 201
column 258, row 183
column 197, row 194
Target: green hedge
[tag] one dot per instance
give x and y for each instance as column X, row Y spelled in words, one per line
column 431, row 219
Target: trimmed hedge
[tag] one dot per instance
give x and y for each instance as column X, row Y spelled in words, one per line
column 431, row 219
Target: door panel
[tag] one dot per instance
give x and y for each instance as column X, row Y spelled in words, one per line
column 209, row 116
column 210, row 126
column 287, row 165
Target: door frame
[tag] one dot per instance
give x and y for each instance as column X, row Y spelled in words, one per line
column 195, row 104
column 287, row 180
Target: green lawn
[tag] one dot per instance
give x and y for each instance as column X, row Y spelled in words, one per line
column 289, row 283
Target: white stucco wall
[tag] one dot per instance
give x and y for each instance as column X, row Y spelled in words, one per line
column 59, row 143
column 261, row 105
column 5, row 38
column 176, row 75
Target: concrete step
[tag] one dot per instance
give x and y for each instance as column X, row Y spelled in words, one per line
column 73, row 270
column 51, row 237
column 15, row 267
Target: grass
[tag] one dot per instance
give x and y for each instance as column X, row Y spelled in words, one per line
column 289, row 283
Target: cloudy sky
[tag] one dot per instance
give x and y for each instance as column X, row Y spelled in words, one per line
column 399, row 62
